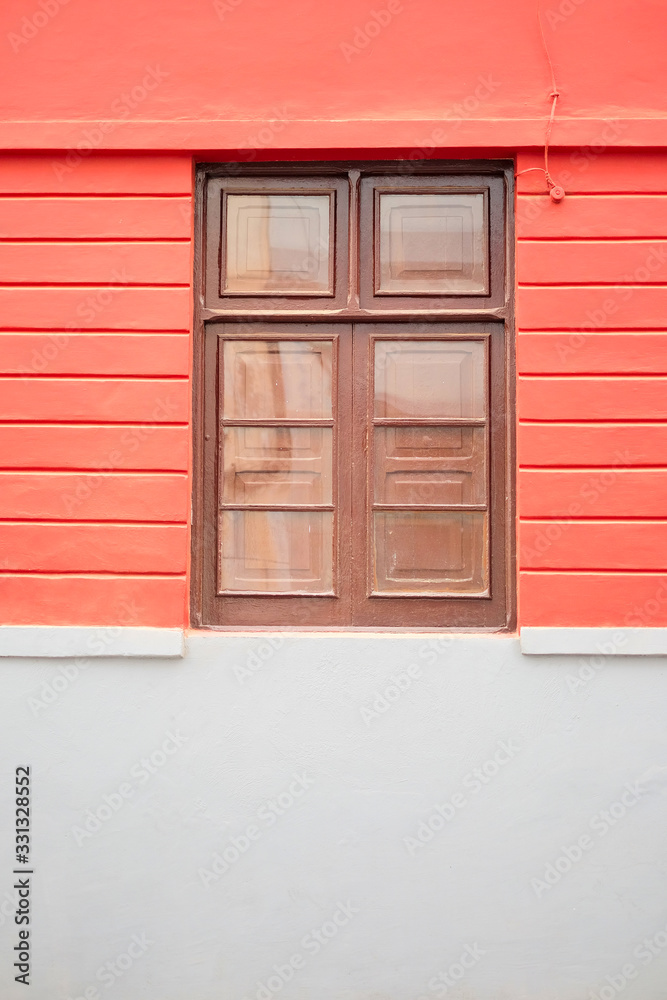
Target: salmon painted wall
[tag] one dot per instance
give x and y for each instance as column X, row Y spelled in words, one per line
column 592, row 391
column 95, row 399
column 106, row 108
column 94, row 438
column 209, row 74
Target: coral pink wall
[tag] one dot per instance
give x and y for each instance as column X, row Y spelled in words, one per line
column 94, row 390
column 110, row 104
column 592, row 391
column 208, row 75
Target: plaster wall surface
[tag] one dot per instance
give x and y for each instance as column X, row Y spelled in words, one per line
column 428, row 805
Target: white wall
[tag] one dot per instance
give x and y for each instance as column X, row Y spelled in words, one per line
column 373, row 781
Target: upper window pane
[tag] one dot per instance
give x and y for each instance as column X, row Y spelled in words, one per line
column 278, row 243
column 432, row 244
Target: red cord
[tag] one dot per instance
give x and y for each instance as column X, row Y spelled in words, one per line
column 555, row 190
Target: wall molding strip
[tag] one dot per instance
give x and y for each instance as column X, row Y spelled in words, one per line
column 539, row 641
column 79, row 641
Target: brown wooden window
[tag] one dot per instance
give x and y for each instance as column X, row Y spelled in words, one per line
column 351, row 409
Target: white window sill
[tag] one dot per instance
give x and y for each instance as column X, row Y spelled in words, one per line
column 538, row 641
column 74, row 640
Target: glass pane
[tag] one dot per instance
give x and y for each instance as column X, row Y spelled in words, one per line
column 424, row 465
column 277, row 552
column 432, row 243
column 419, row 552
column 277, row 465
column 278, row 243
column 429, row 378
column 277, row 379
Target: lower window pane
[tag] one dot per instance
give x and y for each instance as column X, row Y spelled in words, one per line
column 276, row 552
column 277, row 465
column 436, row 465
column 434, row 552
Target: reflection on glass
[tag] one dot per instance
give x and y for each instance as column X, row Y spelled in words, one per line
column 276, row 551
column 429, row 378
column 430, row 465
column 432, row 243
column 277, row 465
column 442, row 553
column 278, row 243
column 266, row 379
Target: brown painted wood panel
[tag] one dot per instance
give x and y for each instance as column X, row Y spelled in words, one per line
column 110, row 307
column 218, row 597
column 96, row 262
column 592, row 493
column 586, row 398
column 96, row 218
column 94, row 548
column 602, row 216
column 105, row 601
column 417, row 549
column 307, row 398
column 555, row 444
column 89, row 400
column 588, row 309
column 61, row 352
column 94, row 446
column 573, row 545
column 90, row 496
column 593, row 600
column 576, row 353
column 592, row 262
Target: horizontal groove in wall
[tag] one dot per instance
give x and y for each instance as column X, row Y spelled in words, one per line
column 593, row 376
column 95, row 287
column 44, row 331
column 600, row 570
column 93, row 523
column 93, row 574
column 585, row 239
column 582, row 519
column 585, row 195
column 592, row 423
column 588, row 240
column 90, row 377
column 630, row 286
column 593, row 572
column 92, row 195
column 99, row 470
column 88, row 423
column 596, row 421
column 590, row 374
column 594, row 468
column 99, row 473
column 583, row 331
column 95, row 239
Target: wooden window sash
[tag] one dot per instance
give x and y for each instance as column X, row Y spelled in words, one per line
column 353, row 424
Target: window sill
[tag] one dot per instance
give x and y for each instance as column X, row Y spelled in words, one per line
column 538, row 641
column 79, row 641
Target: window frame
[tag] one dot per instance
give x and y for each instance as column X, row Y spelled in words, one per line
column 351, row 306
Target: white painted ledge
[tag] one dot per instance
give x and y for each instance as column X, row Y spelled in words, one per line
column 537, row 641
column 69, row 640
